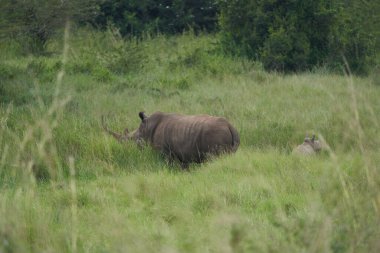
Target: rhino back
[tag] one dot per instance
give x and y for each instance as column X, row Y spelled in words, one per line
column 304, row 149
column 190, row 138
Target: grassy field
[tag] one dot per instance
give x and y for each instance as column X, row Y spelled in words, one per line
column 65, row 186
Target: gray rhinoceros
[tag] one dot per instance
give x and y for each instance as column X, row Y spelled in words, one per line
column 310, row 146
column 186, row 138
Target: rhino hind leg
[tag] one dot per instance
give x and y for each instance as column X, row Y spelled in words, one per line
column 184, row 166
column 182, row 161
column 170, row 158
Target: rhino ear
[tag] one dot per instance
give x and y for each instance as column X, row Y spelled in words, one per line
column 313, row 139
column 306, row 138
column 142, row 116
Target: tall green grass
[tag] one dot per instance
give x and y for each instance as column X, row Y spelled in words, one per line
column 65, row 186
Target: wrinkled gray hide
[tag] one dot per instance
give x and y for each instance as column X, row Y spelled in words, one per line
column 186, row 138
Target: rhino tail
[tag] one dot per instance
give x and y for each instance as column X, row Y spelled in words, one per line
column 235, row 139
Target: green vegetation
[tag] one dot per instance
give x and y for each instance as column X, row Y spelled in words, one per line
column 33, row 23
column 65, row 186
column 136, row 17
column 286, row 35
column 296, row 35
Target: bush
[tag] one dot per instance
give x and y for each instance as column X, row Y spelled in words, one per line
column 34, row 22
column 356, row 37
column 105, row 53
column 173, row 16
column 297, row 35
column 19, row 82
column 14, row 85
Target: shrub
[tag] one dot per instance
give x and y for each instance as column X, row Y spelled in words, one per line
column 294, row 35
column 14, row 85
column 173, row 16
column 104, row 53
column 34, row 22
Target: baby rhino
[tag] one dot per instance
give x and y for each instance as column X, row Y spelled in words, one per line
column 308, row 147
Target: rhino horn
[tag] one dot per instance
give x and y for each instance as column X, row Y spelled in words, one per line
column 117, row 136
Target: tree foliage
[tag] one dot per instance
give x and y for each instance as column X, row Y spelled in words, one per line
column 33, row 22
column 133, row 17
column 357, row 34
column 285, row 35
column 293, row 35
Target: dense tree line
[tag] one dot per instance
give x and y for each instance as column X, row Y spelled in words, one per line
column 285, row 35
column 34, row 22
column 293, row 35
column 134, row 17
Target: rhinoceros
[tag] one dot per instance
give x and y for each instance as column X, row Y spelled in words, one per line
column 310, row 146
column 186, row 138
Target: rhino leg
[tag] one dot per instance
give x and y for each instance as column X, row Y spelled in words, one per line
column 185, row 166
column 171, row 159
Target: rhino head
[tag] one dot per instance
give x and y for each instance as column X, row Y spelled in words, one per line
column 126, row 135
column 315, row 144
column 139, row 136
